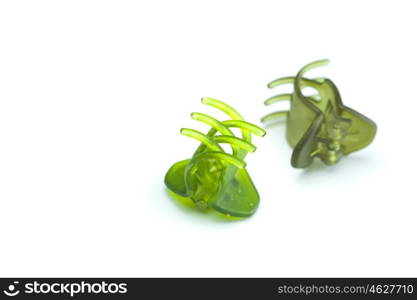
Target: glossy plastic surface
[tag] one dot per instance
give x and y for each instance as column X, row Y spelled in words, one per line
column 320, row 125
column 212, row 178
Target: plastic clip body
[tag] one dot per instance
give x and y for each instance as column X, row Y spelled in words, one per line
column 212, row 178
column 320, row 125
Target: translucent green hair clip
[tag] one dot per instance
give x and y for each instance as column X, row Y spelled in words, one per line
column 213, row 178
column 320, row 125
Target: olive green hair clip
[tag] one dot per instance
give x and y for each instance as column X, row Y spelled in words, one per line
column 320, row 125
column 213, row 178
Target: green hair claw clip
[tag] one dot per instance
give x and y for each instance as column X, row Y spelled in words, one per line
column 320, row 125
column 213, row 178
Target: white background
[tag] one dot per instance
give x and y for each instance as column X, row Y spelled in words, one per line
column 92, row 97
